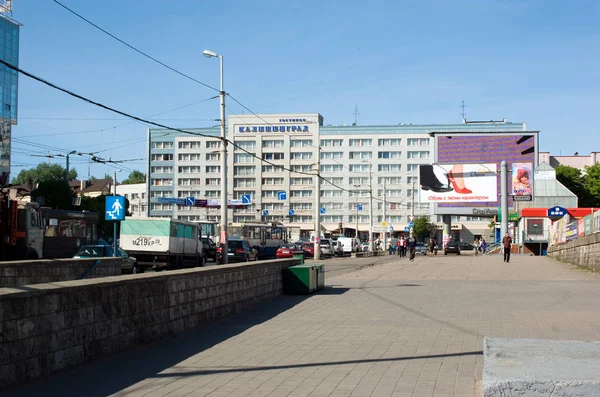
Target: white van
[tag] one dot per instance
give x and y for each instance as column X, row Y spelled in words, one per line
column 349, row 245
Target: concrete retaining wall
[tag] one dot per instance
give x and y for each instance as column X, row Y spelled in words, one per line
column 17, row 273
column 48, row 327
column 585, row 251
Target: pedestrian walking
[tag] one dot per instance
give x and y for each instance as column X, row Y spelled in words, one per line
column 476, row 246
column 399, row 246
column 404, row 247
column 506, row 243
column 389, row 247
column 411, row 244
column 432, row 245
column 483, row 246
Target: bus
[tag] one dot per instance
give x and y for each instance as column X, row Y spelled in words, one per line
column 65, row 231
column 265, row 237
column 208, row 229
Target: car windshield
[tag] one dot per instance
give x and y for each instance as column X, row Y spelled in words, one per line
column 325, row 242
column 235, row 244
column 93, row 252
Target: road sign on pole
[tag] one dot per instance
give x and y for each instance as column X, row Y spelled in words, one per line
column 359, row 207
column 114, row 208
column 322, row 211
column 190, row 201
column 281, row 195
column 291, row 212
column 246, row 199
column 265, row 212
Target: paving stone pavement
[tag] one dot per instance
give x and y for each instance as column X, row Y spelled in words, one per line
column 396, row 329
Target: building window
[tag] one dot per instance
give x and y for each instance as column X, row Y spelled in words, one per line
column 360, row 167
column 359, row 193
column 212, row 194
column 332, row 193
column 301, row 193
column 271, row 168
column 162, row 157
column 190, row 169
column 243, row 158
column 245, row 145
column 389, row 180
column 273, row 156
column 213, row 169
column 162, row 182
column 162, row 145
column 362, row 180
column 213, row 144
column 188, row 181
column 332, row 142
column 333, row 181
column 272, row 181
column 272, row 143
column 301, row 181
column 360, row 142
column 160, row 193
column 213, row 181
column 388, row 167
column 413, row 167
column 244, row 170
column 301, row 156
column 417, row 142
column 334, row 206
column 390, row 193
column 161, row 207
column 188, row 193
column 389, row 142
column 162, row 170
column 332, row 218
column 300, row 142
column 270, row 193
column 301, row 168
column 412, row 179
column 332, row 168
column 272, row 206
column 190, row 145
column 389, row 155
column 361, row 155
column 213, row 156
column 301, row 206
column 302, row 219
column 189, row 157
column 417, row 155
column 244, row 182
column 332, row 155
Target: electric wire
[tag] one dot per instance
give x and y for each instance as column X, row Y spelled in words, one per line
column 133, row 48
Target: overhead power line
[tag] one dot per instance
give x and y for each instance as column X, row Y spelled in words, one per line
column 133, row 48
column 225, row 140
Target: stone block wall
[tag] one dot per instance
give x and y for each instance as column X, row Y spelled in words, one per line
column 17, row 273
column 48, row 327
column 585, row 251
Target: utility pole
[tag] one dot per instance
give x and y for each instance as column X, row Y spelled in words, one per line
column 412, row 203
column 318, row 207
column 384, row 216
column 370, row 208
column 114, row 222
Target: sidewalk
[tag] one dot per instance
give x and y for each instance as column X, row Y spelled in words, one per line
column 396, row 329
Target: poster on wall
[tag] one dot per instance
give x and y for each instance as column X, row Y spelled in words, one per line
column 458, row 183
column 522, row 182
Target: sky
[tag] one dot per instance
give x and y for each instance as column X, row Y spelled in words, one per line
column 411, row 61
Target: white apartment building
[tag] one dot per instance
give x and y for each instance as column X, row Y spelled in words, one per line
column 136, row 194
column 282, row 152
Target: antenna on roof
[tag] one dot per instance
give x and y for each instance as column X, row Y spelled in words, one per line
column 356, row 113
column 463, row 106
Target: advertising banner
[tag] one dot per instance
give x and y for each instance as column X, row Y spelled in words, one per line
column 580, row 227
column 589, row 224
column 571, row 231
column 522, row 181
column 596, row 221
column 458, row 183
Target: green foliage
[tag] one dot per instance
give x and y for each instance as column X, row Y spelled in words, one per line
column 585, row 185
column 56, row 194
column 135, row 177
column 423, row 227
column 44, row 172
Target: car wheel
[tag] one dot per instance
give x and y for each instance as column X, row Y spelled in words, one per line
column 203, row 261
column 445, row 253
column 247, row 258
column 458, row 253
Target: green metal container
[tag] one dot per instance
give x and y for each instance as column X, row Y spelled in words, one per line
column 299, row 280
column 301, row 257
column 320, row 269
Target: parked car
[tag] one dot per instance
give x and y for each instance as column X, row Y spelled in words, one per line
column 452, row 247
column 210, row 248
column 101, row 250
column 466, row 246
column 326, row 249
column 309, row 249
column 421, row 249
column 337, row 247
column 288, row 251
column 364, row 247
column 238, row 250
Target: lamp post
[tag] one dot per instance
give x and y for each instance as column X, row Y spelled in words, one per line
column 370, row 205
column 67, row 173
column 115, row 222
column 224, row 222
column 356, row 234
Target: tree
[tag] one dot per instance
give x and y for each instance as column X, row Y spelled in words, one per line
column 44, row 172
column 591, row 181
column 56, row 194
column 98, row 204
column 423, row 227
column 135, row 177
column 573, row 180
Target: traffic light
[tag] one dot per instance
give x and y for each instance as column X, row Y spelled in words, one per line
column 340, row 225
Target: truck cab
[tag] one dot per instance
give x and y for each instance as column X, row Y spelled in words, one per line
column 21, row 230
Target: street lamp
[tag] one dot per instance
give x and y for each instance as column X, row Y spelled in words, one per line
column 370, row 204
column 115, row 222
column 67, row 174
column 224, row 222
column 356, row 234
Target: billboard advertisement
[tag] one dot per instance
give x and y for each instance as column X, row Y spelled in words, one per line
column 484, row 148
column 458, row 183
column 522, row 181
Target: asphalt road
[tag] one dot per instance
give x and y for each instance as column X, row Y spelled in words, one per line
column 337, row 266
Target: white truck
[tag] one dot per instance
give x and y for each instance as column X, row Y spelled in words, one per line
column 349, row 245
column 161, row 243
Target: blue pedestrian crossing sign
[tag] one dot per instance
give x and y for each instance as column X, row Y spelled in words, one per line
column 281, row 196
column 190, row 201
column 115, row 208
column 291, row 212
column 322, row 210
column 265, row 212
column 359, row 207
column 246, row 199
column 411, row 224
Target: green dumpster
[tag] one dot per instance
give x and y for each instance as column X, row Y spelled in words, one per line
column 300, row 256
column 320, row 276
column 299, row 280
